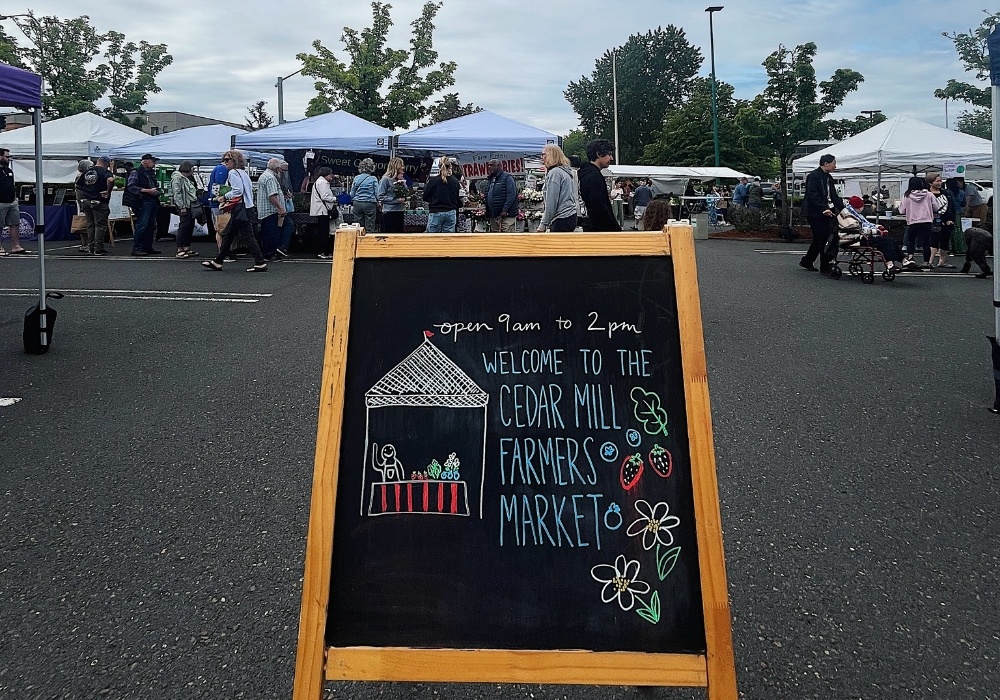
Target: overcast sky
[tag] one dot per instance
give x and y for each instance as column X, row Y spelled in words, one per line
column 516, row 58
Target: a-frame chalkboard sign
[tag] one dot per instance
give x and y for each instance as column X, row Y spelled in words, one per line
column 515, row 476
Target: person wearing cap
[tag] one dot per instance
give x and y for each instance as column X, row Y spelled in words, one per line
column 183, row 195
column 755, row 194
column 501, row 199
column 145, row 201
column 93, row 194
column 851, row 221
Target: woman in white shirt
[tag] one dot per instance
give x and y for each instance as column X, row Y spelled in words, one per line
column 323, row 205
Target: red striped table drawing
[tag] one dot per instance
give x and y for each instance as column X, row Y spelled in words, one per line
column 419, row 497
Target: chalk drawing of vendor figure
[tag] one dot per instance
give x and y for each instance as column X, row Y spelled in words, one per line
column 387, row 463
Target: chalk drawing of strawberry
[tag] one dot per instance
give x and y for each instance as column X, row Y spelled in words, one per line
column 631, row 471
column 661, row 461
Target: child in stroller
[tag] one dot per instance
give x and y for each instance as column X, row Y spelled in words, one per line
column 859, row 235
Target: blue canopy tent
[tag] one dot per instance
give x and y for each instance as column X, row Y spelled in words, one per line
column 334, row 131
column 201, row 144
column 23, row 90
column 481, row 132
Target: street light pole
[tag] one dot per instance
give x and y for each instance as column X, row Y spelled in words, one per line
column 614, row 99
column 281, row 95
column 715, row 107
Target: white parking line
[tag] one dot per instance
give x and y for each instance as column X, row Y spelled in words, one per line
column 144, row 294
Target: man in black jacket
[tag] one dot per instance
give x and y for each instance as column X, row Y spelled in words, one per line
column 501, row 199
column 820, row 206
column 594, row 190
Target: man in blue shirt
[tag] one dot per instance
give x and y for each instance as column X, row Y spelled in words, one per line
column 219, row 176
column 740, row 193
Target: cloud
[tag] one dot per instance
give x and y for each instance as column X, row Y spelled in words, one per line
column 517, row 58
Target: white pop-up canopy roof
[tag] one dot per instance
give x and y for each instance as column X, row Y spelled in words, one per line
column 334, row 131
column 674, row 172
column 902, row 144
column 481, row 132
column 201, row 144
column 84, row 135
column 64, row 142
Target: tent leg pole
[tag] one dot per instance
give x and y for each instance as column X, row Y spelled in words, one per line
column 40, row 213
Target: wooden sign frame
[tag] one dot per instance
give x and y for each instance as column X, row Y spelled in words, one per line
column 316, row 663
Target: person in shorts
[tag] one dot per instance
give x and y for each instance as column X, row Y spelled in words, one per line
column 10, row 215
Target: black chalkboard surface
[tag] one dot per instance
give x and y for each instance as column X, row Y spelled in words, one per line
column 515, row 472
column 514, row 469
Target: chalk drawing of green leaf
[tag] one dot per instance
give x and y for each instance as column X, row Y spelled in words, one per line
column 650, row 612
column 649, row 411
column 666, row 562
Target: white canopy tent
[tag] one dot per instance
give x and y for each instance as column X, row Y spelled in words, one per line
column 902, row 144
column 201, row 144
column 334, row 131
column 64, row 142
column 674, row 172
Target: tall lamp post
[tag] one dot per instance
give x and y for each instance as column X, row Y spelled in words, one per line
column 281, row 95
column 614, row 100
column 715, row 107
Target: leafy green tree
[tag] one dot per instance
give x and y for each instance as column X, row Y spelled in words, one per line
column 384, row 85
column 129, row 76
column 845, row 128
column 686, row 136
column 258, row 118
column 575, row 144
column 791, row 108
column 9, row 51
column 656, row 72
column 974, row 54
column 73, row 84
column 449, row 107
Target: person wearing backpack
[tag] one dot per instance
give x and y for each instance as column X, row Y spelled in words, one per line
column 142, row 195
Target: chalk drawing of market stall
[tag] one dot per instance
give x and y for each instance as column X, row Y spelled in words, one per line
column 425, row 438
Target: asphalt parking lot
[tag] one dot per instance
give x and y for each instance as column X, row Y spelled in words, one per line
column 156, row 468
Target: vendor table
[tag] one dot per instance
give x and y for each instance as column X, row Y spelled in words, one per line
column 57, row 222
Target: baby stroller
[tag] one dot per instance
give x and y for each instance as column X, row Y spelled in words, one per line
column 857, row 250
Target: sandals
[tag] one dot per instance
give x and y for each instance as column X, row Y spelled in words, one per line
column 19, row 251
column 211, row 265
column 3, row 252
column 258, row 268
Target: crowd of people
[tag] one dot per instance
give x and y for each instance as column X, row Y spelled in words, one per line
column 933, row 211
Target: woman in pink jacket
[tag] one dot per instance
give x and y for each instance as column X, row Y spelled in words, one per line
column 920, row 207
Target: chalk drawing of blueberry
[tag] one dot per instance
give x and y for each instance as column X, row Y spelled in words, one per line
column 633, row 437
column 609, row 452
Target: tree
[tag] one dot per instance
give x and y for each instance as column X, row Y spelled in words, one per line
column 127, row 81
column 9, row 51
column 791, row 107
column 974, row 54
column 258, row 117
column 575, row 144
column 449, row 107
column 845, row 128
column 383, row 85
column 73, row 84
column 655, row 73
column 686, row 137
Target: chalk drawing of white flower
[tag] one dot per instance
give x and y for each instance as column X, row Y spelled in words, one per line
column 620, row 581
column 655, row 524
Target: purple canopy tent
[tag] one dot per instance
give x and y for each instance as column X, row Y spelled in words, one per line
column 23, row 89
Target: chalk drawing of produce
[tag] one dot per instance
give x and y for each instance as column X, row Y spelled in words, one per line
column 425, row 418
